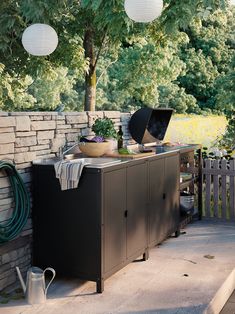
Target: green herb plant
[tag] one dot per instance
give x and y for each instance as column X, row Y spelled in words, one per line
column 104, row 127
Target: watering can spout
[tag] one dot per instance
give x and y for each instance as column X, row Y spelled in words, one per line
column 21, row 279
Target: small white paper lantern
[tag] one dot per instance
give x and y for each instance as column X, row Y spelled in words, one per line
column 39, row 39
column 143, row 10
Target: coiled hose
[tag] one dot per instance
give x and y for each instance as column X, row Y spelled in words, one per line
column 11, row 227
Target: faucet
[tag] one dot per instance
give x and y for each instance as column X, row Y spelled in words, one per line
column 63, row 152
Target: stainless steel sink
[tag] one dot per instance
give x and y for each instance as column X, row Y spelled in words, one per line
column 98, row 162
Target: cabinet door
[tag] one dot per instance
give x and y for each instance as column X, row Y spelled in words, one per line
column 156, row 201
column 114, row 222
column 136, row 208
column 172, row 175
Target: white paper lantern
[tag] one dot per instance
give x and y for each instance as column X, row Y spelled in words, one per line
column 143, row 10
column 39, row 39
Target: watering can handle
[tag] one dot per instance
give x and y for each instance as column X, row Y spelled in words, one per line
column 53, row 276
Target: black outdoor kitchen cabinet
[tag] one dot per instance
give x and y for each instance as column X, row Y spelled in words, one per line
column 163, row 198
column 125, row 216
column 112, row 218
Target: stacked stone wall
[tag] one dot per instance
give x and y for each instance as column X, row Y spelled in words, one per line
column 24, row 137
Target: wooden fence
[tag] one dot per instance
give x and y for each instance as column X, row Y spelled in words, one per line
column 219, row 189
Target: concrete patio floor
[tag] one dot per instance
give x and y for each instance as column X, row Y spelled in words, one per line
column 190, row 274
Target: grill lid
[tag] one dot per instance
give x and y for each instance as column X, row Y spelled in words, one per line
column 149, row 125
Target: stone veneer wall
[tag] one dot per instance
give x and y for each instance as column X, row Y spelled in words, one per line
column 24, row 137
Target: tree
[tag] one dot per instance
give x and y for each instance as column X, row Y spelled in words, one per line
column 200, row 77
column 207, row 56
column 226, row 102
column 173, row 96
column 14, row 18
column 133, row 80
column 112, row 24
column 12, row 91
column 78, row 21
column 105, row 25
column 96, row 26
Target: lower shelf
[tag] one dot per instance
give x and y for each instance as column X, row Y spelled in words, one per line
column 184, row 220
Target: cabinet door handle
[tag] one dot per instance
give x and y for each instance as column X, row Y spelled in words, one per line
column 125, row 213
column 164, row 196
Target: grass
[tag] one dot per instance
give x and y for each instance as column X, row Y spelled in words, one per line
column 196, row 129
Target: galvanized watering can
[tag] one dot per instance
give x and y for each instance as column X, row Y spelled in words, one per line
column 35, row 289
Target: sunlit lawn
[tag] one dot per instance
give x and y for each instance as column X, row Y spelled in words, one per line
column 196, row 129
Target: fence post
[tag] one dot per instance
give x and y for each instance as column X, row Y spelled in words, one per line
column 208, row 188
column 216, row 164
column 232, row 189
column 224, row 189
column 200, row 183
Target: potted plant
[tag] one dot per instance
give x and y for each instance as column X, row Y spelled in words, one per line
column 104, row 128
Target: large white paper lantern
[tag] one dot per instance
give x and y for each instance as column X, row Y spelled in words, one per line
column 39, row 39
column 143, row 10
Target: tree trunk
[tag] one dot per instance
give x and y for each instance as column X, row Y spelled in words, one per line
column 90, row 79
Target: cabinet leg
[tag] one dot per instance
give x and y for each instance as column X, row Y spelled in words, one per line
column 177, row 233
column 146, row 255
column 100, row 285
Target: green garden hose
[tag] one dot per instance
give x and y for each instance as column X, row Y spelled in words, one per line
column 11, row 227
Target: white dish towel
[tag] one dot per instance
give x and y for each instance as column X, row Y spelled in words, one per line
column 69, row 173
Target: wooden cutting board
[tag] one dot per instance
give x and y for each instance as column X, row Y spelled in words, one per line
column 133, row 156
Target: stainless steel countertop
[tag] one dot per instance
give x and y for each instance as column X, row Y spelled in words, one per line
column 101, row 162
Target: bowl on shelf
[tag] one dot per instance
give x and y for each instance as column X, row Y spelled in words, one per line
column 93, row 149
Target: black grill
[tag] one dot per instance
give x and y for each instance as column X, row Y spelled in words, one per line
column 149, row 125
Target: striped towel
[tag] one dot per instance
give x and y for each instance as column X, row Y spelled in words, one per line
column 69, row 173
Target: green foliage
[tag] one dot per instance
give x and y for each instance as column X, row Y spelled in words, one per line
column 216, row 153
column 180, row 72
column 13, row 95
column 228, row 139
column 181, row 60
column 175, row 97
column 104, row 127
column 226, row 91
column 51, row 90
column 132, row 80
column 207, row 56
column 199, row 80
column 38, row 83
column 226, row 102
